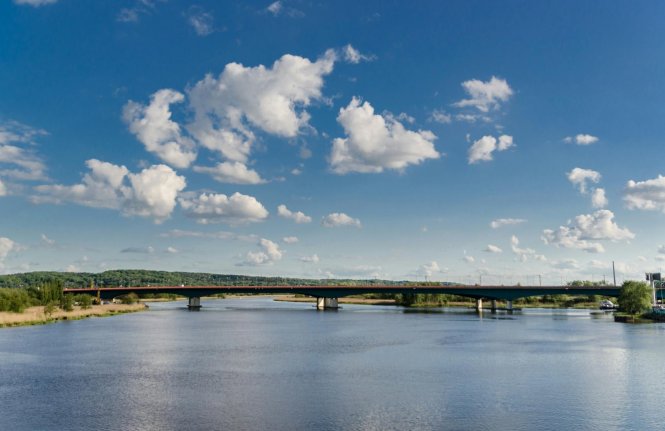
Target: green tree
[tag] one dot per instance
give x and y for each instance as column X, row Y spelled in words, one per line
column 130, row 298
column 635, row 297
column 67, row 303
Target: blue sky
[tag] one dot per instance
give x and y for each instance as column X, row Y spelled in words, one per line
column 451, row 140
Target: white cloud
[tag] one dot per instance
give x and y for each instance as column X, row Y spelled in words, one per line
column 151, row 193
column 35, row 3
column 579, row 177
column 310, row 259
column 429, row 269
column 339, row 219
column 500, row 222
column 522, row 253
column 586, row 227
column 47, row 241
column 440, row 116
column 646, row 195
column 298, row 216
column 275, row 8
column 226, row 108
column 6, row 247
column 269, row 254
column 469, row 259
column 354, row 56
column 153, row 126
column 491, row 248
column 17, row 158
column 598, row 198
column 581, row 139
column 565, row 264
column 218, row 208
column 171, row 250
column 485, row 96
column 220, row 235
column 3, row 189
column 201, row 21
column 482, row 149
column 290, row 239
column 375, row 142
column 139, row 250
column 661, row 249
column 231, row 172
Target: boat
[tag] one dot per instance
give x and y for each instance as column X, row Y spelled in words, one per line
column 606, row 304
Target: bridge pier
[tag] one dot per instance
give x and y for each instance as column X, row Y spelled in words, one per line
column 194, row 303
column 327, row 303
column 479, row 304
column 509, row 306
column 494, row 306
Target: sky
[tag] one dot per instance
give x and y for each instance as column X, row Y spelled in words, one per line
column 472, row 141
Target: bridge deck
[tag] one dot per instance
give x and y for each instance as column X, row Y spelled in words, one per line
column 332, row 291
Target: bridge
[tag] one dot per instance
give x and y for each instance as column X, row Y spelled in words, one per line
column 327, row 295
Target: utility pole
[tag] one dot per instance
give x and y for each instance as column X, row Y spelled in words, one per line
column 614, row 274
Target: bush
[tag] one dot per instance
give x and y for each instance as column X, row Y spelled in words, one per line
column 14, row 300
column 130, row 298
column 83, row 300
column 67, row 303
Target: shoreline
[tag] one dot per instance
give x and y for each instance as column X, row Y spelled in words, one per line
column 35, row 315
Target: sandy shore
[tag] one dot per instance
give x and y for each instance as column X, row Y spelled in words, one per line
column 36, row 316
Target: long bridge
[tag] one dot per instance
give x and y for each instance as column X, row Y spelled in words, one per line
column 327, row 295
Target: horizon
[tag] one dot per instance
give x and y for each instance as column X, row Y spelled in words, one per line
column 476, row 140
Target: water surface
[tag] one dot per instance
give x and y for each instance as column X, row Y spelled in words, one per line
column 258, row 364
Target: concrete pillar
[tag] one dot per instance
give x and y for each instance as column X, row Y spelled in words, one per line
column 479, row 305
column 509, row 306
column 494, row 306
column 194, row 303
column 327, row 304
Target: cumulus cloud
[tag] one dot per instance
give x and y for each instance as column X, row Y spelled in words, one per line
column 231, row 172
column 491, row 248
column 268, row 254
column 375, row 142
column 469, row 259
column 17, row 157
column 160, row 135
column 586, row 227
column 522, row 253
column 275, row 8
column 310, row 259
column 150, row 193
column 218, row 208
column 565, row 264
column 3, row 189
column 339, row 219
column 354, row 56
column 290, row 239
column 429, row 269
column 273, row 99
column 581, row 139
column 298, row 216
column 171, row 250
column 485, row 96
column 35, row 3
column 201, row 21
column 580, row 177
column 500, row 222
column 646, row 195
column 439, row 116
column 598, row 198
column 6, row 247
column 47, row 241
column 482, row 149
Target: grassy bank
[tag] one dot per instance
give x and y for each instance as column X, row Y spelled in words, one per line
column 37, row 316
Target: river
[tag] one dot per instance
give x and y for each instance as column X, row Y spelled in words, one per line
column 256, row 364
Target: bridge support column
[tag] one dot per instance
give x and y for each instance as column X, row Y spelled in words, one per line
column 494, row 306
column 479, row 305
column 327, row 304
column 509, row 306
column 194, row 303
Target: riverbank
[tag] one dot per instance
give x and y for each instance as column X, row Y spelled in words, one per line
column 36, row 315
